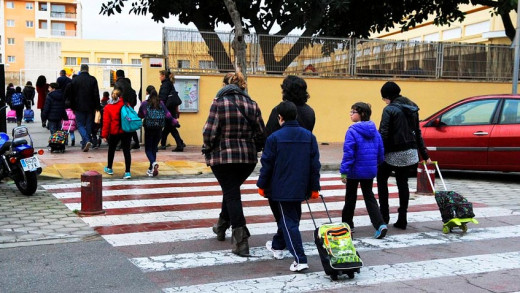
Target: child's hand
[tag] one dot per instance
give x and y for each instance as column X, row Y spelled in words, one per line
column 315, row 194
column 261, row 192
column 344, row 178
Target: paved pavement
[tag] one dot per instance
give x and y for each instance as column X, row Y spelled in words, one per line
column 45, row 247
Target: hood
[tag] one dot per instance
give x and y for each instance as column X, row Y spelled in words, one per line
column 111, row 101
column 231, row 89
column 367, row 129
column 406, row 105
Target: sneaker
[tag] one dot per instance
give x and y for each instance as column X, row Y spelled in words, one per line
column 277, row 254
column 298, row 267
column 127, row 175
column 109, row 171
column 163, row 147
column 381, row 232
column 155, row 168
column 149, row 172
column 87, row 146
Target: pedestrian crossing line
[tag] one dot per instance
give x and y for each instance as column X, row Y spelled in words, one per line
column 156, row 181
column 183, row 215
column 226, row 257
column 267, row 228
column 370, row 275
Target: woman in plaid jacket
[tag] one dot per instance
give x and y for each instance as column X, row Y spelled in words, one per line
column 234, row 119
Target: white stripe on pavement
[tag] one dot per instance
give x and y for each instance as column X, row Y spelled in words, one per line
column 226, row 257
column 372, row 275
column 166, row 216
column 163, row 236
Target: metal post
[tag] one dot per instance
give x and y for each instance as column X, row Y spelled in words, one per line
column 517, row 48
column 3, row 125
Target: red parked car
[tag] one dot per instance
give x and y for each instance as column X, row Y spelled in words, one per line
column 476, row 133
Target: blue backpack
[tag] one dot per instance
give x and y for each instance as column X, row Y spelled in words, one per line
column 155, row 118
column 16, row 100
column 130, row 122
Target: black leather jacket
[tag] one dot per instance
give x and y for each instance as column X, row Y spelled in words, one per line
column 400, row 129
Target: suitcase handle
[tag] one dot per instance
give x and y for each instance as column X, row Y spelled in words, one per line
column 430, row 179
column 310, row 211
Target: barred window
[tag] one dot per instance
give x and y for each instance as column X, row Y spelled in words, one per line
column 71, row 61
column 205, row 64
column 183, row 63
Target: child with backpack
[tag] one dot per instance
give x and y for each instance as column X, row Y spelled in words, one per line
column 155, row 115
column 112, row 133
column 362, row 152
column 70, row 125
column 17, row 103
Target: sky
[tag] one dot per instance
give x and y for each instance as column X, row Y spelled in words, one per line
column 122, row 26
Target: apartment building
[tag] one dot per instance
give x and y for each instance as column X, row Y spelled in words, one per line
column 41, row 19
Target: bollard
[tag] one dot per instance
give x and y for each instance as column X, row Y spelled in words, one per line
column 423, row 184
column 91, row 194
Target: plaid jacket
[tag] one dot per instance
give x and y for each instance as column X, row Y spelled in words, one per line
column 227, row 133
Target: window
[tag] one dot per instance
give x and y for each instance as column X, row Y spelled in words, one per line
column 9, row 4
column 477, row 28
column 10, row 22
column 43, row 6
column 116, row 61
column 43, row 25
column 28, row 6
column 136, row 61
column 183, row 63
column 10, row 41
column 71, row 61
column 11, row 59
column 472, row 113
column 29, row 23
column 110, row 61
column 84, row 60
column 511, row 112
column 204, row 64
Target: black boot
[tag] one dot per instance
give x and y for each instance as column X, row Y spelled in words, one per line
column 220, row 229
column 401, row 221
column 239, row 241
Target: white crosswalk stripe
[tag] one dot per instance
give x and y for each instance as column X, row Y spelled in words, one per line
column 164, row 226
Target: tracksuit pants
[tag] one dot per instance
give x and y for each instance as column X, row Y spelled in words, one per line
column 289, row 224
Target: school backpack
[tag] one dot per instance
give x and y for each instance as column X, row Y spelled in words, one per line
column 130, row 122
column 16, row 100
column 155, row 118
column 337, row 242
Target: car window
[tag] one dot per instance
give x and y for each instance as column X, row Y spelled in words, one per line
column 510, row 112
column 472, row 113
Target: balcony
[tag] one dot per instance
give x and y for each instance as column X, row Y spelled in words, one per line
column 63, row 33
column 63, row 15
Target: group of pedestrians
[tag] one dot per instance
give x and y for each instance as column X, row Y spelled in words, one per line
column 234, row 133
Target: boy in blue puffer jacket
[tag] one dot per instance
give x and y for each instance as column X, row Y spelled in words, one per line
column 362, row 152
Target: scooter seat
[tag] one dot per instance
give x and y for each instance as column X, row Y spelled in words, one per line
column 19, row 141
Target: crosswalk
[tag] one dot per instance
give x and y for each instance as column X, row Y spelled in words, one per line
column 164, row 228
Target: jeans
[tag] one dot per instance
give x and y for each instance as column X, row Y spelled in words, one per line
column 230, row 177
column 289, row 224
column 168, row 128
column 113, row 140
column 401, row 178
column 151, row 140
column 84, row 122
column 347, row 214
column 53, row 126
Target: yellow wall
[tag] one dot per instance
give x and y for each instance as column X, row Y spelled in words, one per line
column 331, row 99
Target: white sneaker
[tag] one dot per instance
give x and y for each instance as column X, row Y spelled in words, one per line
column 277, row 254
column 149, row 173
column 298, row 267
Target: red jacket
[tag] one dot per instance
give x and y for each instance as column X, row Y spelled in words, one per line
column 112, row 119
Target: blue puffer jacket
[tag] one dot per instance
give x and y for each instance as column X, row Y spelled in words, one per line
column 290, row 163
column 362, row 151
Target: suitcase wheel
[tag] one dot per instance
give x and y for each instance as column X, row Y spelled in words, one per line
column 350, row 275
column 334, row 276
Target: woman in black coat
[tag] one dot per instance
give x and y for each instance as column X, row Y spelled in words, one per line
column 54, row 109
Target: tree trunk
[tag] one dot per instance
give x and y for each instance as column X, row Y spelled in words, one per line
column 239, row 43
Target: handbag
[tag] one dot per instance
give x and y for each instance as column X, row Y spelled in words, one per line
column 258, row 137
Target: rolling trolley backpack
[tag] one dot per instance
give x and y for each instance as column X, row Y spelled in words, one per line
column 337, row 252
column 11, row 116
column 28, row 115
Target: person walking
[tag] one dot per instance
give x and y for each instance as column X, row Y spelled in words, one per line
column 70, row 126
column 170, row 98
column 83, row 94
column 294, row 89
column 230, row 150
column 130, row 97
column 402, row 140
column 112, row 133
column 155, row 116
column 54, row 109
column 63, row 80
column 42, row 88
column 291, row 169
column 362, row 152
column 17, row 103
column 29, row 92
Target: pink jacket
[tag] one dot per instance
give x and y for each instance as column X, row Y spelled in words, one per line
column 71, row 121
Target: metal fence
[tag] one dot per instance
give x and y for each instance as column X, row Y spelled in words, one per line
column 210, row 52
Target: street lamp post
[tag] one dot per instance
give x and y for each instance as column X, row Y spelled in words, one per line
column 517, row 49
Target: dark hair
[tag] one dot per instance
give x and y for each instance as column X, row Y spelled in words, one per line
column 54, row 85
column 390, row 90
column 294, row 89
column 41, row 81
column 106, row 94
column 63, row 72
column 364, row 110
column 10, row 85
column 28, row 83
column 168, row 75
column 154, row 100
column 150, row 88
column 18, row 89
column 120, row 73
column 83, row 67
column 287, row 110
